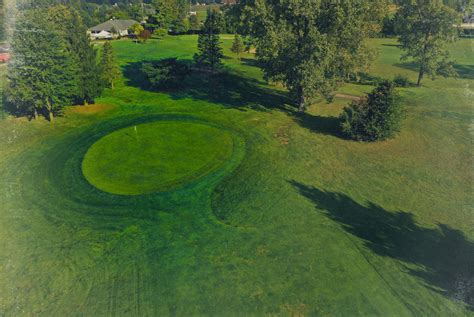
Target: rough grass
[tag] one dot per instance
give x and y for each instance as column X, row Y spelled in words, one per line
column 298, row 222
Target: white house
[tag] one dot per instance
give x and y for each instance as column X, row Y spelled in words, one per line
column 111, row 29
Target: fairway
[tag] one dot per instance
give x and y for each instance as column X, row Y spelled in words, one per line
column 155, row 156
column 219, row 199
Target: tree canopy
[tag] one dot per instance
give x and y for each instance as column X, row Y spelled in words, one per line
column 237, row 45
column 424, row 28
column 209, row 50
column 74, row 31
column 42, row 73
column 110, row 68
column 311, row 46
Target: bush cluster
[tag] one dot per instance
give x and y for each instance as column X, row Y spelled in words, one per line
column 402, row 81
column 374, row 118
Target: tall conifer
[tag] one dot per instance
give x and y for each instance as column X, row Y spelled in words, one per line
column 110, row 68
column 42, row 74
column 74, row 31
column 210, row 51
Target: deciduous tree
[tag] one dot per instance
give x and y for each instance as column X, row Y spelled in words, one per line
column 144, row 36
column 424, row 28
column 311, row 46
column 136, row 29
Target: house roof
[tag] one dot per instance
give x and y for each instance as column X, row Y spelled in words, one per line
column 118, row 25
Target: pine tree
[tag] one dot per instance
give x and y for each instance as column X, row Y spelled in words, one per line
column 237, row 46
column 70, row 24
column 42, row 73
column 110, row 68
column 210, row 52
column 89, row 71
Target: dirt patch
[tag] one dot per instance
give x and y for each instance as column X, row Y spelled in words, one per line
column 89, row 109
column 349, row 97
column 282, row 135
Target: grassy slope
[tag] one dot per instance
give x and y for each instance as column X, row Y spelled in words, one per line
column 311, row 223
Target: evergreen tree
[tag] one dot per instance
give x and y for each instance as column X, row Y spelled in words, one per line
column 2, row 22
column 194, row 23
column 110, row 68
column 42, row 73
column 237, row 45
column 425, row 27
column 377, row 117
column 210, row 52
column 80, row 47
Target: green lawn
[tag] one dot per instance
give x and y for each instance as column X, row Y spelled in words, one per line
column 287, row 218
column 158, row 156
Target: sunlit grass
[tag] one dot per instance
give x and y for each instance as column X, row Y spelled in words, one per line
column 298, row 221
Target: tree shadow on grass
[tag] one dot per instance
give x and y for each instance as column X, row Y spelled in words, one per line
column 249, row 61
column 226, row 88
column 392, row 45
column 318, row 124
column 444, row 256
column 234, row 91
column 464, row 71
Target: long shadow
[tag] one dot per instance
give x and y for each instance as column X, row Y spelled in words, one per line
column 234, row 91
column 226, row 88
column 444, row 256
column 319, row 124
column 464, row 71
column 250, row 61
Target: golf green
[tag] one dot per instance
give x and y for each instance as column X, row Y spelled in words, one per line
column 155, row 157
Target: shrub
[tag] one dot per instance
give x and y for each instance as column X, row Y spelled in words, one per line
column 144, row 36
column 377, row 117
column 165, row 74
column 159, row 33
column 402, row 81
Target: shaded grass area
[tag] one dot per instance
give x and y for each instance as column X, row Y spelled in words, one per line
column 397, row 235
column 225, row 88
column 360, row 229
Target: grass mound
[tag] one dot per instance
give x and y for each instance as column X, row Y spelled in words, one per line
column 155, row 156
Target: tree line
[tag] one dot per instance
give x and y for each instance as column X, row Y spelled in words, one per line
column 313, row 47
column 54, row 63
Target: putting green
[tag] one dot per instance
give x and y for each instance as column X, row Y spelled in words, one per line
column 155, row 157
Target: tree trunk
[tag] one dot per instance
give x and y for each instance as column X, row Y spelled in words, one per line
column 112, row 85
column 420, row 76
column 302, row 100
column 50, row 110
column 35, row 114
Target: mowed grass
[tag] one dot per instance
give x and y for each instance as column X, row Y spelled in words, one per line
column 156, row 156
column 298, row 221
